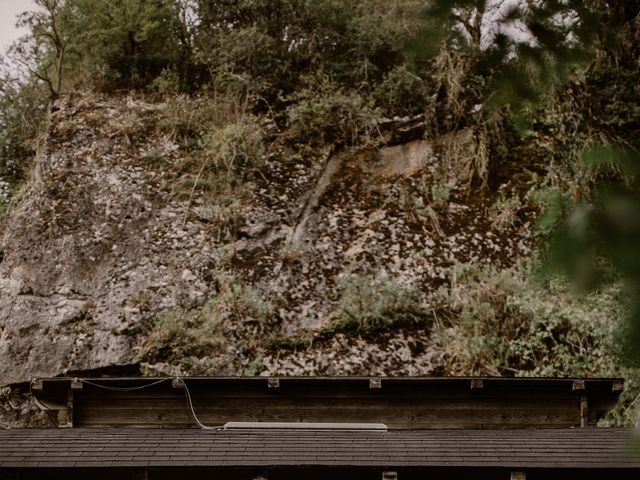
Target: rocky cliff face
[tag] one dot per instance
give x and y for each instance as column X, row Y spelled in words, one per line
column 103, row 264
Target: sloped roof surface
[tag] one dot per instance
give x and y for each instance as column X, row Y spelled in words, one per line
column 530, row 448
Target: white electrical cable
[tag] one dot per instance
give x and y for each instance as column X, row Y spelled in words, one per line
column 186, row 392
column 140, row 387
column 123, row 389
column 193, row 412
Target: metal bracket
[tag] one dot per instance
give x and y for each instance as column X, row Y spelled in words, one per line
column 273, row 383
column 36, row 385
column 375, row 384
column 177, row 384
column 477, row 384
column 577, row 386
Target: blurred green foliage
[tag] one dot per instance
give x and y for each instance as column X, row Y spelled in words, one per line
column 588, row 51
column 596, row 240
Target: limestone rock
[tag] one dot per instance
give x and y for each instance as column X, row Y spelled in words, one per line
column 98, row 246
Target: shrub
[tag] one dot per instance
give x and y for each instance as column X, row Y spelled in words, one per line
column 401, row 93
column 177, row 334
column 235, row 150
column 124, row 43
column 185, row 118
column 504, row 211
column 239, row 304
column 370, row 305
column 329, row 115
column 181, row 334
column 500, row 323
column 3, row 208
column 226, row 216
column 277, row 46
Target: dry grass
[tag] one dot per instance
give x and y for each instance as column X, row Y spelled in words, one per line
column 465, row 155
column 451, row 67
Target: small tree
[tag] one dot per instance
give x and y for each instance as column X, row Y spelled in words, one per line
column 128, row 43
column 42, row 51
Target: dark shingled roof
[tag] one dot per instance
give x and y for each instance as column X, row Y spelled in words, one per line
column 530, row 448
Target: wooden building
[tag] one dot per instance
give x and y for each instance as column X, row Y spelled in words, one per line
column 325, row 428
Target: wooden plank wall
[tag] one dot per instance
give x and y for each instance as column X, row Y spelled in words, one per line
column 400, row 406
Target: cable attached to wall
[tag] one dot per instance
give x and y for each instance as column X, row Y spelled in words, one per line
column 123, row 389
column 193, row 412
column 187, row 394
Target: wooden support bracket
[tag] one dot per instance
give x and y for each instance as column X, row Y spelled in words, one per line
column 577, row 386
column 177, row 383
column 477, row 384
column 76, row 384
column 273, row 383
column 617, row 387
column 584, row 411
column 518, row 476
column 141, row 475
column 36, row 385
column 65, row 415
column 375, row 384
column 389, row 475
